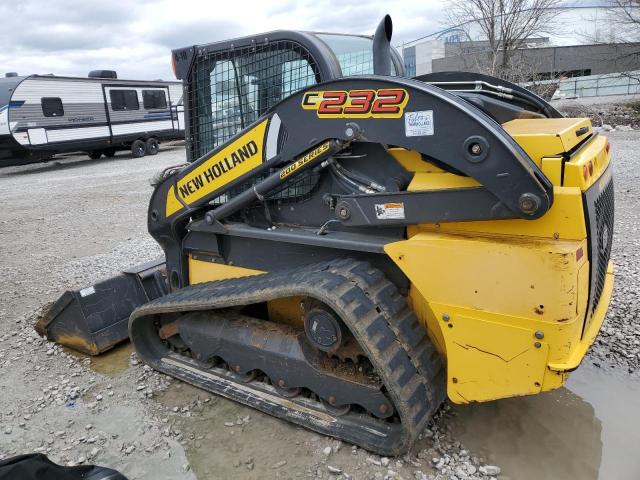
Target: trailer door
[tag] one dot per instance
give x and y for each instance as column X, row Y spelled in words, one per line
column 124, row 109
column 177, row 107
column 177, row 113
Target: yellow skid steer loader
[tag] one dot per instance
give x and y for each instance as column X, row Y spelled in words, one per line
column 347, row 247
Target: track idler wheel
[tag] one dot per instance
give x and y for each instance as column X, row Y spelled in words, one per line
column 323, row 327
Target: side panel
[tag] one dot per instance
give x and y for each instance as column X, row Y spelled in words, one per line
column 83, row 115
column 133, row 127
column 505, row 311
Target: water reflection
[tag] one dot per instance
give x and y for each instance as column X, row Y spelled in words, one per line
column 588, row 430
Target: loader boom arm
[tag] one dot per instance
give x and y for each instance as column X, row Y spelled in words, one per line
column 390, row 111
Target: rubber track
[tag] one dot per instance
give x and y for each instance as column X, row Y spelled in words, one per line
column 375, row 312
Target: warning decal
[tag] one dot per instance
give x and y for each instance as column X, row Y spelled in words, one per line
column 390, row 211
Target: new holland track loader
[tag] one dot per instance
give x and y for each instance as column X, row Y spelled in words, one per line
column 347, row 247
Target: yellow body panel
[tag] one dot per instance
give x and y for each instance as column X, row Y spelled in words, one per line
column 594, row 154
column 287, row 310
column 543, row 137
column 493, row 273
column 412, row 161
column 552, row 169
column 438, row 181
column 485, row 299
column 201, row 271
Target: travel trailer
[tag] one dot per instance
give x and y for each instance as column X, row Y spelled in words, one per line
column 43, row 115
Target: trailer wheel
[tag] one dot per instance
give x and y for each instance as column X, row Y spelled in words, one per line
column 109, row 152
column 138, row 149
column 152, row 146
column 95, row 154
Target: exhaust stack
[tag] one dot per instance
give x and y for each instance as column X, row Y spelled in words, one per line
column 382, row 47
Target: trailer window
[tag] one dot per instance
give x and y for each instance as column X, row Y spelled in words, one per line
column 154, row 99
column 124, row 100
column 52, row 107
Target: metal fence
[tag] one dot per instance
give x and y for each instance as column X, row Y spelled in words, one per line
column 600, row 85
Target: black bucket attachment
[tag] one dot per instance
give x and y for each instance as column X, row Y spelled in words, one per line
column 96, row 318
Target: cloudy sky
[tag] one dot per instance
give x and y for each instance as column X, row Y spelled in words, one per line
column 72, row 37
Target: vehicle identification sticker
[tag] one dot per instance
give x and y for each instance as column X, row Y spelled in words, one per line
column 85, row 292
column 418, row 124
column 390, row 211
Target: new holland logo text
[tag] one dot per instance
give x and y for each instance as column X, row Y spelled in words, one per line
column 218, row 169
column 363, row 103
column 211, row 174
column 304, row 160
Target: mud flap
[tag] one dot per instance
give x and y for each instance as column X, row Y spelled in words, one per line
column 95, row 319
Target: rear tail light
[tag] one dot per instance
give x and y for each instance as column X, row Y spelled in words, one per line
column 585, row 172
column 590, row 168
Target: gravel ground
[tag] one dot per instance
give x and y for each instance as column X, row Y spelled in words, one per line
column 608, row 112
column 67, row 223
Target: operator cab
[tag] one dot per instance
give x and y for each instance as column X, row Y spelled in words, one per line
column 231, row 84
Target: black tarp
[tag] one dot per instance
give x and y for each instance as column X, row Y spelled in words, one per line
column 38, row 467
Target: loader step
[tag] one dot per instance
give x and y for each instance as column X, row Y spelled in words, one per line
column 404, row 360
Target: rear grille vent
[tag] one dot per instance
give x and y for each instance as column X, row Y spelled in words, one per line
column 604, row 206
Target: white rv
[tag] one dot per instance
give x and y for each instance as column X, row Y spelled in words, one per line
column 41, row 115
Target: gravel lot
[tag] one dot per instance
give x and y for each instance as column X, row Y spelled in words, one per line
column 68, row 223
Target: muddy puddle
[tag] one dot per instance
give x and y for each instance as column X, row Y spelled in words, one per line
column 588, row 430
column 111, row 363
column 114, row 362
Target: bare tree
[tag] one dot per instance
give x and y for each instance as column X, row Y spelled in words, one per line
column 625, row 17
column 504, row 25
